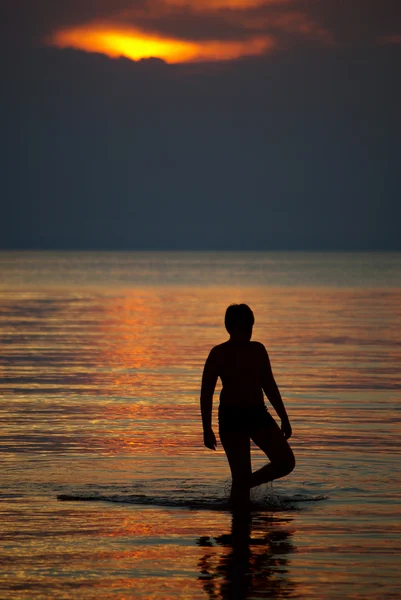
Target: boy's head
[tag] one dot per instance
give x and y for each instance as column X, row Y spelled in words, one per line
column 239, row 318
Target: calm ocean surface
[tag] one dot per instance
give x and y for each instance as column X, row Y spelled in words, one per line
column 100, row 366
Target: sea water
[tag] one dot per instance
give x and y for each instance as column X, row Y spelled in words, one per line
column 100, row 368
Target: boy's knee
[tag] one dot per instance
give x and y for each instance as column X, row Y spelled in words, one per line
column 289, row 463
column 286, row 465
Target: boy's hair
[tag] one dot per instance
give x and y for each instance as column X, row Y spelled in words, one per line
column 238, row 316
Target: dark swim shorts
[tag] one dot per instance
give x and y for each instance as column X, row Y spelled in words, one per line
column 244, row 419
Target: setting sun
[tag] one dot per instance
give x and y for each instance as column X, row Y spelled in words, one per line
column 136, row 45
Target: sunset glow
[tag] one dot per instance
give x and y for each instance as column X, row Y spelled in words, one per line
column 137, row 45
column 216, row 4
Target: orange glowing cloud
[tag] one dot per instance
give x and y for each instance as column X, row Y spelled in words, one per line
column 391, row 39
column 136, row 45
column 216, row 4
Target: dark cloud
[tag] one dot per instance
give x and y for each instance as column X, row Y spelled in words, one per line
column 31, row 21
column 293, row 151
column 356, row 22
column 298, row 149
column 226, row 24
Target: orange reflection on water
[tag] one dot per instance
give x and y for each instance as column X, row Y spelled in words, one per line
column 137, row 45
column 132, row 329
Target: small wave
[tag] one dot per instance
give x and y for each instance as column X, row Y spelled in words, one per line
column 142, row 500
column 265, row 496
column 260, row 501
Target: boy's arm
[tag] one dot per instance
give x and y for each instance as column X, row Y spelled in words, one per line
column 271, row 390
column 209, row 379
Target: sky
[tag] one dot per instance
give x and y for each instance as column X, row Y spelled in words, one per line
column 200, row 124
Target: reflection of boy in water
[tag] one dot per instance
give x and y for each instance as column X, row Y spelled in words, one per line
column 245, row 372
column 251, row 562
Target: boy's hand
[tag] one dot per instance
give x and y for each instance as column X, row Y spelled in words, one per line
column 209, row 439
column 286, row 428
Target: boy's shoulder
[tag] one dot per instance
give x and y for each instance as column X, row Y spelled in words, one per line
column 259, row 348
column 257, row 344
column 225, row 345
